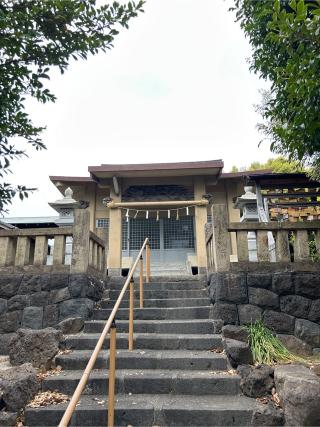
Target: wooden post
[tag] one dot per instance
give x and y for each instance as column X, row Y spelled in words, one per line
column 147, row 262
column 112, row 374
column 131, row 304
column 141, row 282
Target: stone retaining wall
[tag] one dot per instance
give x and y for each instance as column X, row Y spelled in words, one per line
column 38, row 301
column 288, row 302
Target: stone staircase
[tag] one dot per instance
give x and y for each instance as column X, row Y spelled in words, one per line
column 171, row 378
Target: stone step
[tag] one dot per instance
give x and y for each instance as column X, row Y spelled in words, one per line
column 158, row 278
column 148, row 303
column 148, row 382
column 197, row 326
column 151, row 410
column 163, row 286
column 156, row 313
column 149, row 341
column 156, row 293
column 147, row 359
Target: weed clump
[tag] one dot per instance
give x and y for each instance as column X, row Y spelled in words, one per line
column 266, row 347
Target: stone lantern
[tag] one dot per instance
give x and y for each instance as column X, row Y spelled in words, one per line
column 247, row 203
column 65, row 208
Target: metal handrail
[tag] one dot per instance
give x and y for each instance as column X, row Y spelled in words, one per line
column 85, row 376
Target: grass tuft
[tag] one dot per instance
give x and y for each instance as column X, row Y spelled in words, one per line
column 267, row 348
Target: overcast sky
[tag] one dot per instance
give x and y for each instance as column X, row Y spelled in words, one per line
column 176, row 87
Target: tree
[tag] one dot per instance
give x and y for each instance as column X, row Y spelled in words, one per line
column 285, row 40
column 276, row 165
column 35, row 36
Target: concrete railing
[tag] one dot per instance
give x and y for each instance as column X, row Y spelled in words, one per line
column 29, row 249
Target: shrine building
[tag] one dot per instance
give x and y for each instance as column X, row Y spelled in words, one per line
column 168, row 202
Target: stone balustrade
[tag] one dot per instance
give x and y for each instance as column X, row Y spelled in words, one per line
column 294, row 242
column 27, row 250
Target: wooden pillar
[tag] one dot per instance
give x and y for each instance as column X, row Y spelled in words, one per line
column 200, row 222
column 115, row 237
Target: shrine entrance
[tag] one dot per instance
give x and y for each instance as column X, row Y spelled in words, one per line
column 171, row 240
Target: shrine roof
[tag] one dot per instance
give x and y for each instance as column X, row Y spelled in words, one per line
column 209, row 167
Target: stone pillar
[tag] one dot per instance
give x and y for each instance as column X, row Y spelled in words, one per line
column 115, row 238
column 221, row 238
column 40, row 250
column 81, row 241
column 22, row 251
column 200, row 221
column 59, row 250
column 7, row 251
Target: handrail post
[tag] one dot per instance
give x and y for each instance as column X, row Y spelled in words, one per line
column 131, row 305
column 148, row 262
column 112, row 375
column 141, row 281
column 107, row 328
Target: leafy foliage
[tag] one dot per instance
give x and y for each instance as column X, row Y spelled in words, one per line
column 285, row 40
column 278, row 165
column 35, row 36
column 267, row 348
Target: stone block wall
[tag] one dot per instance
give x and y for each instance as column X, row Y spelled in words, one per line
column 289, row 302
column 38, row 301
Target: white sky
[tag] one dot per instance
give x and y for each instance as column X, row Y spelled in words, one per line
column 176, row 87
